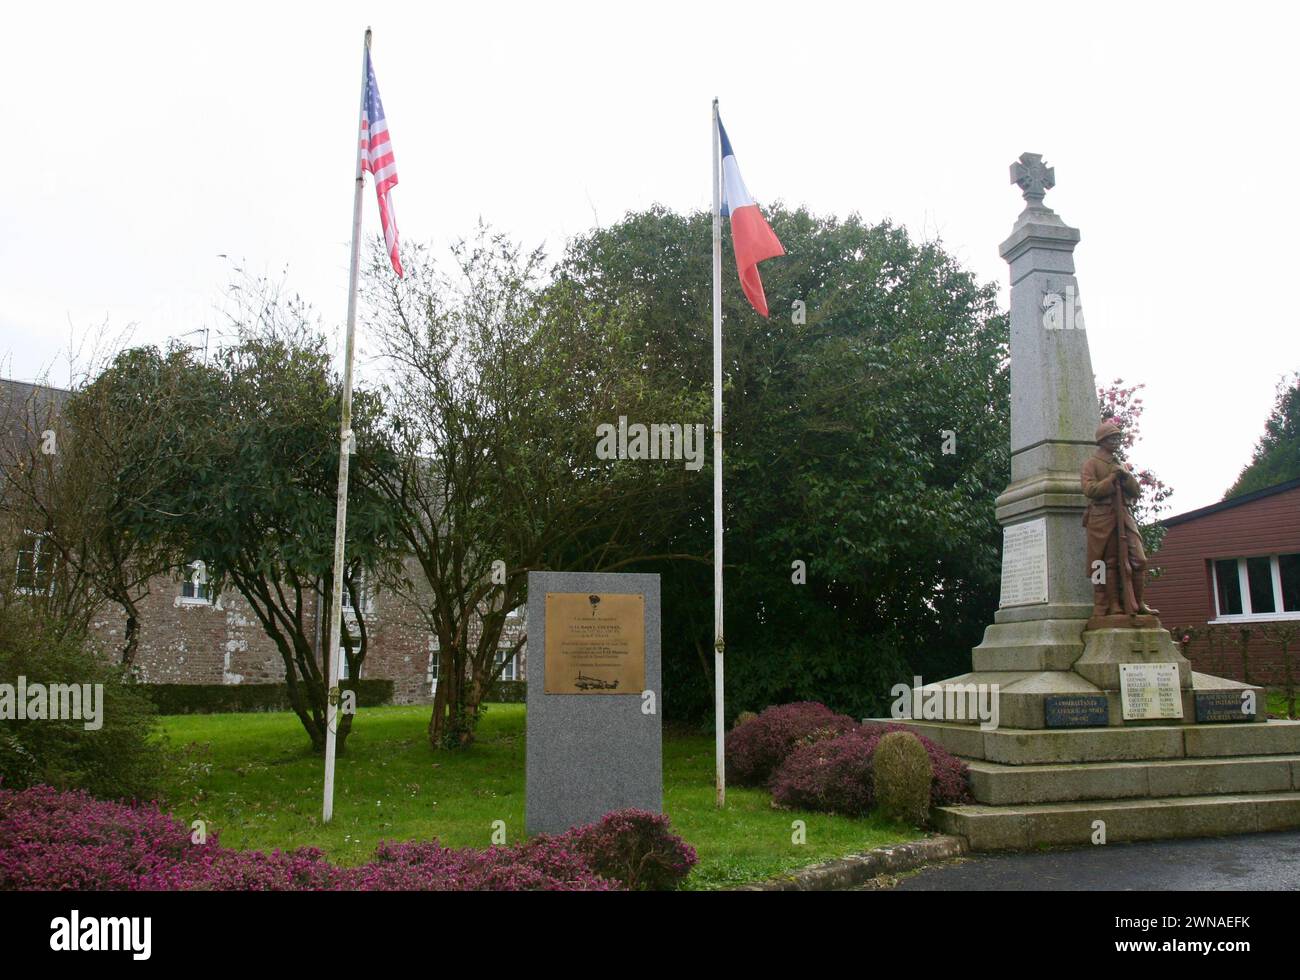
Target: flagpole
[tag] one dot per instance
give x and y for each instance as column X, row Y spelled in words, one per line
column 345, row 439
column 720, row 763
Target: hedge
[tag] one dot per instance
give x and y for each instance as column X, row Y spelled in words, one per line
column 204, row 699
column 510, row 692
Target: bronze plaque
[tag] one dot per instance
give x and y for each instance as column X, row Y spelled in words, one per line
column 595, row 644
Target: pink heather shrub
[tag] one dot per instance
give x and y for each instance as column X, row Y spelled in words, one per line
column 630, row 846
column 832, row 776
column 756, row 747
column 52, row 840
column 222, row 870
column 428, row 866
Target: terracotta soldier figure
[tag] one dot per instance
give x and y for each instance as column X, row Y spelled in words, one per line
column 1100, row 473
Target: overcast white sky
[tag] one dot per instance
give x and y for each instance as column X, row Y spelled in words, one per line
column 148, row 140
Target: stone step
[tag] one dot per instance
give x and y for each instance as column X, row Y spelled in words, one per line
column 995, row 828
column 1028, row 747
column 996, row 784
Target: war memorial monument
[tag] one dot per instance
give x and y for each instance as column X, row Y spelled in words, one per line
column 1104, row 731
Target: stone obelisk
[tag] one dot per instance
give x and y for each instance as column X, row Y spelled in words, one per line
column 1038, row 650
column 1045, row 600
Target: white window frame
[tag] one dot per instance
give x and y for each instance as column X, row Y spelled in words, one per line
column 1247, row 614
column 512, row 666
column 435, row 663
column 204, row 599
column 36, row 537
column 367, row 596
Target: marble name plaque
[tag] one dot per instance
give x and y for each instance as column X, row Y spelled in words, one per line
column 1150, row 691
column 1024, row 563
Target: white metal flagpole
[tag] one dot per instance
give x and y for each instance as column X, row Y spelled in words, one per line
column 345, row 440
column 720, row 763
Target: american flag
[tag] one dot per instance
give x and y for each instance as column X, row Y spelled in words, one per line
column 377, row 157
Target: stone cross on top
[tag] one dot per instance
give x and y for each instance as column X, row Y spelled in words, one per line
column 1033, row 178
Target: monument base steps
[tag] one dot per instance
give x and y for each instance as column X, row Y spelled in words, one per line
column 999, row 828
column 1036, row 786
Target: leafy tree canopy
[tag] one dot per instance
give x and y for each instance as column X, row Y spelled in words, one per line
column 837, row 417
column 1277, row 454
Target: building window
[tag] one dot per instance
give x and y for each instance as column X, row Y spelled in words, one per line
column 1227, row 587
column 434, row 664
column 363, row 591
column 1289, row 572
column 195, row 588
column 511, row 670
column 1262, row 587
column 34, row 573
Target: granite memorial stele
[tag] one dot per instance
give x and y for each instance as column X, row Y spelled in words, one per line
column 594, row 735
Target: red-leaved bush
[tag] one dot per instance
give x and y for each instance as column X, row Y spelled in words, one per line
column 52, row 840
column 756, row 747
column 633, row 846
column 832, row 776
column 835, row 775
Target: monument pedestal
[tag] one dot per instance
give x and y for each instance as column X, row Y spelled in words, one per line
column 1104, row 650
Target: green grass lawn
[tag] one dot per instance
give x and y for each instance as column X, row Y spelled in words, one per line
column 253, row 779
column 1277, row 704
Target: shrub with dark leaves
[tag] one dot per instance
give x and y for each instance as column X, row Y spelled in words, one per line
column 633, row 847
column 832, row 776
column 835, row 775
column 755, row 748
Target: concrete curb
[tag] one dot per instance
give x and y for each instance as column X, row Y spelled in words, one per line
column 857, row 869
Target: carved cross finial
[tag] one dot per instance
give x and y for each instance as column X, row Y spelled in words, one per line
column 1033, row 178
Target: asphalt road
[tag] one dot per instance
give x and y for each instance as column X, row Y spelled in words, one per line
column 1263, row 862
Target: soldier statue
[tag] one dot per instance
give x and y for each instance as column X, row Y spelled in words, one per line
column 1112, row 532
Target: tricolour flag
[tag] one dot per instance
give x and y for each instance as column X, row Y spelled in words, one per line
column 751, row 237
column 377, row 157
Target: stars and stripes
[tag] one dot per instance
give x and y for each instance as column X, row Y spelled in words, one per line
column 377, row 157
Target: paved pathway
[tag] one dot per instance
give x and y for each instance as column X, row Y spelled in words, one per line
column 1265, row 862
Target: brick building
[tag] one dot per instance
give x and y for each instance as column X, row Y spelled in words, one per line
column 1231, row 575
column 189, row 636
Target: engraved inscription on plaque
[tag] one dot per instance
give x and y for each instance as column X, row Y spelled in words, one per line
column 595, row 644
column 1150, row 691
column 1217, row 706
column 1024, row 563
column 1076, row 711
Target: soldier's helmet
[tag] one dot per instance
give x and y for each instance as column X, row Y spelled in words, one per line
column 1108, row 428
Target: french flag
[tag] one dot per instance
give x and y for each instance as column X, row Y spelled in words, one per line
column 751, row 236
